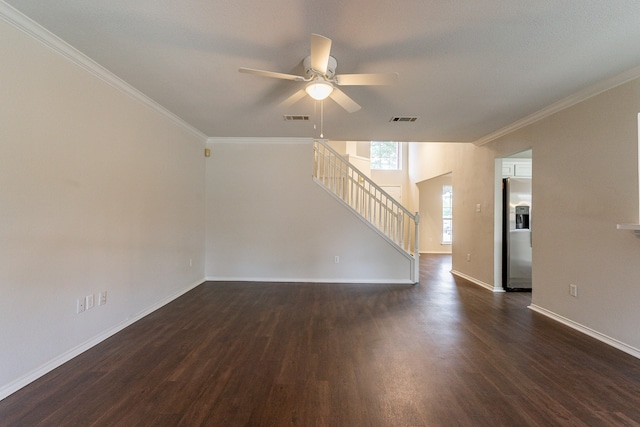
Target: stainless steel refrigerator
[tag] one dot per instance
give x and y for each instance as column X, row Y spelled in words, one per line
column 517, row 240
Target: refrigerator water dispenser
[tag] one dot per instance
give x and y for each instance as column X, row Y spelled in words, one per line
column 522, row 217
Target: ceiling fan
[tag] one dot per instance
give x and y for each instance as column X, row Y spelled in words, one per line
column 321, row 78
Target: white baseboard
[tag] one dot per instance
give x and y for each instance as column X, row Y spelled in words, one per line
column 291, row 280
column 568, row 322
column 17, row 384
column 588, row 331
column 477, row 282
column 434, row 253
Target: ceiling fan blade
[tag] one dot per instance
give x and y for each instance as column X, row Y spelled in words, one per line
column 293, row 98
column 320, row 51
column 380, row 79
column 344, row 101
column 271, row 74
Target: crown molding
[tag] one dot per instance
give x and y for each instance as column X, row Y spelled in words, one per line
column 25, row 24
column 565, row 103
column 258, row 140
column 28, row 26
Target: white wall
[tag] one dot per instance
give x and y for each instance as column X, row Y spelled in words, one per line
column 268, row 220
column 585, row 169
column 430, row 193
column 98, row 192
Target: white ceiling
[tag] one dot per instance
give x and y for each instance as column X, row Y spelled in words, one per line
column 466, row 68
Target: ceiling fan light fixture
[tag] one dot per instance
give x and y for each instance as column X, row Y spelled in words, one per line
column 319, row 89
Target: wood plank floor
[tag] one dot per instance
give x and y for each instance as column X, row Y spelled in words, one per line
column 442, row 353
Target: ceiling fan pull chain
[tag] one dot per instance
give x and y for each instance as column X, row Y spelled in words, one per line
column 315, row 116
column 321, row 119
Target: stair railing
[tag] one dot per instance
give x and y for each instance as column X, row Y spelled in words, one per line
column 387, row 216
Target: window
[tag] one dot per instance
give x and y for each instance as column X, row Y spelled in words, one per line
column 385, row 155
column 447, row 214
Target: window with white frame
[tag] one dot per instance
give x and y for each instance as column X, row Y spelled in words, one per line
column 385, row 155
column 447, row 214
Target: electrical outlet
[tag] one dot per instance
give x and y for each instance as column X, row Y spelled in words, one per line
column 468, row 257
column 90, row 303
column 573, row 290
column 102, row 298
column 336, row 259
column 190, row 262
column 80, row 306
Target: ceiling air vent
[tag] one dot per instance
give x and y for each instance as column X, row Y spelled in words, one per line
column 295, row 118
column 403, row 119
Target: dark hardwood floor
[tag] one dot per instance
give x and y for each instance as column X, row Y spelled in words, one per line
column 442, row 353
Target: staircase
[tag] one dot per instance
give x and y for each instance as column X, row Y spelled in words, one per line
column 370, row 202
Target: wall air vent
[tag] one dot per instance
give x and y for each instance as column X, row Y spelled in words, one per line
column 295, row 118
column 403, row 119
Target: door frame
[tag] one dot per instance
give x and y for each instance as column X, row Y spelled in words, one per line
column 497, row 220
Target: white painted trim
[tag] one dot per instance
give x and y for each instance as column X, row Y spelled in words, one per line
column 367, row 159
column 249, row 140
column 634, row 227
column 25, row 24
column 477, row 282
column 364, row 220
column 565, row 103
column 17, row 384
column 414, row 263
column 317, row 280
column 434, row 253
column 588, row 331
column 497, row 224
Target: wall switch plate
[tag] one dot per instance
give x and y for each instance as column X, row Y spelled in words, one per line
column 478, row 207
column 80, row 305
column 102, row 298
column 468, row 257
column 90, row 303
column 573, row 290
column 336, row 259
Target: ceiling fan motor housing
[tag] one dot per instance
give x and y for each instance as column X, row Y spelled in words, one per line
column 331, row 67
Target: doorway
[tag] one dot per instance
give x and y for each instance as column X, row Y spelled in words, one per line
column 436, row 214
column 513, row 225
